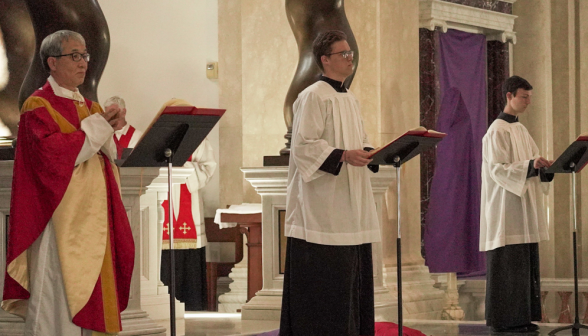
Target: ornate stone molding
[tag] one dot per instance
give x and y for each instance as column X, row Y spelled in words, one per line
column 447, row 15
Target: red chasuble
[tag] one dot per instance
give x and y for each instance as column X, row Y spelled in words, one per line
column 184, row 227
column 124, row 141
column 47, row 186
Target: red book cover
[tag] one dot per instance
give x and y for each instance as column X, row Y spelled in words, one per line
column 420, row 131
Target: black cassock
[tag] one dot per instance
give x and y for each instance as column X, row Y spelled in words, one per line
column 190, row 266
column 513, row 292
column 328, row 290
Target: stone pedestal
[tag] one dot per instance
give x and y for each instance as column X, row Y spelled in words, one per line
column 271, row 183
column 235, row 298
column 154, row 293
column 135, row 320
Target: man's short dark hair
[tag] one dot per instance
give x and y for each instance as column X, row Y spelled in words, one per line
column 323, row 43
column 514, row 83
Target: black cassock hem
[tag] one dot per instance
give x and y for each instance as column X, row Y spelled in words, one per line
column 191, row 286
column 513, row 293
column 328, row 290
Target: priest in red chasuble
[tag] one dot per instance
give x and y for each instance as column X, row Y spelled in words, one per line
column 189, row 233
column 70, row 248
column 128, row 136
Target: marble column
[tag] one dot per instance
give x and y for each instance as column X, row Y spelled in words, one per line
column 135, row 320
column 154, row 293
column 233, row 300
column 10, row 325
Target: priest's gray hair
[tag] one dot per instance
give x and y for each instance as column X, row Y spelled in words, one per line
column 115, row 100
column 52, row 44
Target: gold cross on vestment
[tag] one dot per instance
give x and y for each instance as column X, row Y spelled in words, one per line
column 166, row 228
column 185, row 228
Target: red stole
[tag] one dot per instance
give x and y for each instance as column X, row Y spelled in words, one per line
column 184, row 227
column 124, row 141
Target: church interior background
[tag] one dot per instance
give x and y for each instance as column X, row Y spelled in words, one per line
column 161, row 50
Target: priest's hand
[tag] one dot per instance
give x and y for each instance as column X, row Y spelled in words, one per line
column 357, row 157
column 119, row 120
column 541, row 162
column 115, row 116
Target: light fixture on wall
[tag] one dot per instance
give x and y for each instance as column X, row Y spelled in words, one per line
column 212, row 70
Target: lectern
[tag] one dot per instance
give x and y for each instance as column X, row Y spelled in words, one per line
column 573, row 159
column 170, row 140
column 396, row 153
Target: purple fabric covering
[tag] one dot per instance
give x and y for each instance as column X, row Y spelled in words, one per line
column 453, row 217
column 270, row 333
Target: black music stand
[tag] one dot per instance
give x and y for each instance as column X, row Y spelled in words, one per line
column 573, row 159
column 172, row 138
column 397, row 153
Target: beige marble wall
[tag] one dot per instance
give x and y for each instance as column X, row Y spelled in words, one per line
column 270, row 56
column 387, row 86
column 563, row 123
column 552, row 44
column 533, row 61
column 230, row 98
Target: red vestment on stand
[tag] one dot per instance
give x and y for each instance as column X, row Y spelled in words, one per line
column 124, row 141
column 184, row 228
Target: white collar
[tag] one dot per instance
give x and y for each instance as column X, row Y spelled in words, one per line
column 65, row 93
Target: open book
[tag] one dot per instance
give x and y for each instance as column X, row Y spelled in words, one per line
column 183, row 110
column 574, row 158
column 419, row 131
column 178, row 128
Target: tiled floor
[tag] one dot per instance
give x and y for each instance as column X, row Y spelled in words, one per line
column 214, row 324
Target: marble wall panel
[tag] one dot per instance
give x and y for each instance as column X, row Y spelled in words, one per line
column 270, row 56
column 364, row 19
column 498, row 72
column 429, row 111
column 532, row 60
column 493, row 5
column 230, row 98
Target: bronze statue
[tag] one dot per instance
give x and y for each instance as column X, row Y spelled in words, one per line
column 19, row 43
column 82, row 16
column 309, row 18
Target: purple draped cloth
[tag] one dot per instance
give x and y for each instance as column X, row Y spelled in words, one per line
column 452, row 231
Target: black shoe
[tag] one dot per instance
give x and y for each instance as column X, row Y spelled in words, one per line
column 527, row 328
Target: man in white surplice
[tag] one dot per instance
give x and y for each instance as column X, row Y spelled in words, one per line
column 331, row 217
column 512, row 219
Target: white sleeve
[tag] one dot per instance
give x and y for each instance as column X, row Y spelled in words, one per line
column 308, row 150
column 98, row 132
column 497, row 150
column 109, row 148
column 204, row 166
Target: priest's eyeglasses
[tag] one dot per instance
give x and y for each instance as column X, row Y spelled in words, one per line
column 76, row 56
column 347, row 54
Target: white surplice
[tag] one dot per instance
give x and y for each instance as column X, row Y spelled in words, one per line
column 511, row 209
column 323, row 208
